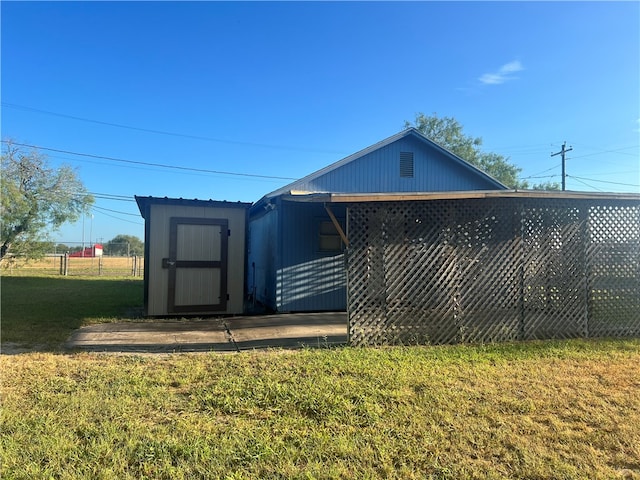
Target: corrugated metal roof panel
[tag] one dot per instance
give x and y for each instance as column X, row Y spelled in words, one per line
column 145, row 201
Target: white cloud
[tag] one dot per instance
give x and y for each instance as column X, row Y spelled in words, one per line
column 503, row 74
column 510, row 67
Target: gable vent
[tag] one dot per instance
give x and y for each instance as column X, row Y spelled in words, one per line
column 406, row 164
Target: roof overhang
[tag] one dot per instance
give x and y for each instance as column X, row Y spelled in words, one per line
column 144, row 202
column 327, row 197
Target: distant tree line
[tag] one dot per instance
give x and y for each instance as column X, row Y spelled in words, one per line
column 118, row 246
column 124, row 245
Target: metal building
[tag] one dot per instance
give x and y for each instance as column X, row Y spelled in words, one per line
column 195, row 256
column 296, row 246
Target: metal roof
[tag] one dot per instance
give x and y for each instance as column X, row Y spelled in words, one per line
column 329, row 197
column 143, row 202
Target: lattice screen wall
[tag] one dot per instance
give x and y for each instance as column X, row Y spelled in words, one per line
column 489, row 270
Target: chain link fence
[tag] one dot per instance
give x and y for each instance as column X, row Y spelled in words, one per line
column 63, row 264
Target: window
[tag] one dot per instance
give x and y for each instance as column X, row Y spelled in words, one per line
column 329, row 239
column 406, row 164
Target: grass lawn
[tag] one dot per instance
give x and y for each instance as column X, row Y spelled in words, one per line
column 553, row 410
column 539, row 410
column 44, row 310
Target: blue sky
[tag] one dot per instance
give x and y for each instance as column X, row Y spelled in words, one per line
column 283, row 89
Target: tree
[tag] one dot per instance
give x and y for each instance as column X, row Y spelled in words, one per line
column 124, row 245
column 547, row 186
column 61, row 248
column 447, row 132
column 35, row 198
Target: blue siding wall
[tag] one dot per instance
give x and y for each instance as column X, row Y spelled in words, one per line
column 307, row 278
column 379, row 171
column 291, row 273
column 262, row 258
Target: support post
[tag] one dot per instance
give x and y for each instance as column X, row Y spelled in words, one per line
column 336, row 224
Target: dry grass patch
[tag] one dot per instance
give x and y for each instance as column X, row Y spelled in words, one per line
column 78, row 266
column 542, row 410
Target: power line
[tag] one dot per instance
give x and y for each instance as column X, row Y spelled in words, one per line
column 590, row 186
column 96, row 162
column 106, row 196
column 613, row 173
column 607, row 151
column 115, row 197
column 538, row 173
column 115, row 211
column 120, row 219
column 541, row 176
column 103, row 196
column 136, row 167
column 600, row 152
column 164, row 132
column 161, row 165
column 605, row 181
column 519, row 153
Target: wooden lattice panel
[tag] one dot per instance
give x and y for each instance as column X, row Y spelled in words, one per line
column 365, row 278
column 554, row 288
column 486, row 270
column 613, row 265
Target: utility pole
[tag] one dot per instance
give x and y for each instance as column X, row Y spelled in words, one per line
column 83, row 235
column 564, row 168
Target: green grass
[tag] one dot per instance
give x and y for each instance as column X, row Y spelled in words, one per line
column 538, row 410
column 553, row 410
column 43, row 310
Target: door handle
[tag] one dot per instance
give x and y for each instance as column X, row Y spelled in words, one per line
column 167, row 263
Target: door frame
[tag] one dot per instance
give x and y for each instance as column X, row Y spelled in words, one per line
column 172, row 264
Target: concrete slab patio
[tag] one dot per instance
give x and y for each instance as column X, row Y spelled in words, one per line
column 231, row 334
